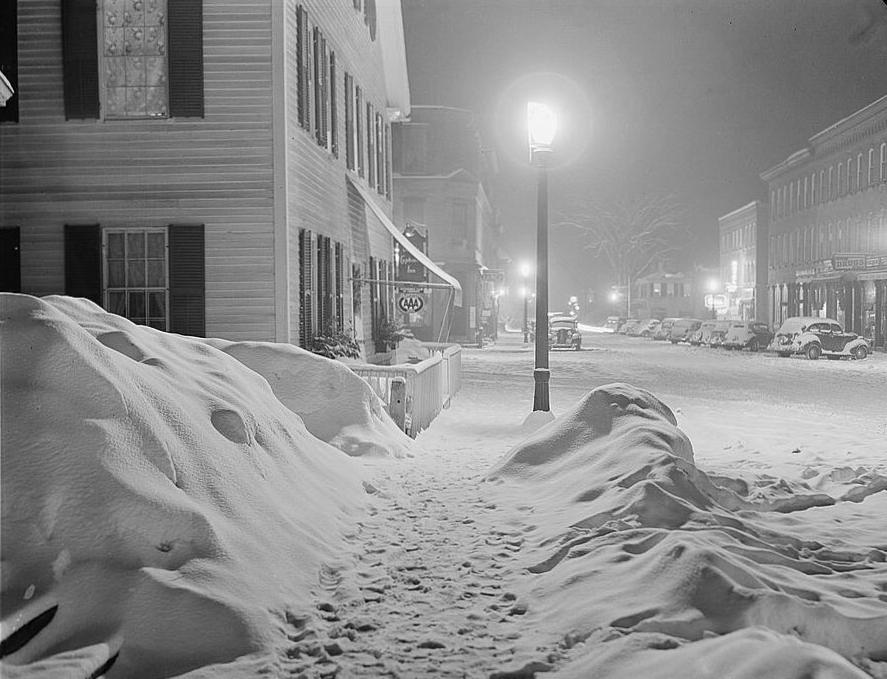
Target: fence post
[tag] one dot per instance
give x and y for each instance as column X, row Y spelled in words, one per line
column 397, row 402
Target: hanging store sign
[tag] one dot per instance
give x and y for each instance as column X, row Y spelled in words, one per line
column 410, row 301
column 409, row 268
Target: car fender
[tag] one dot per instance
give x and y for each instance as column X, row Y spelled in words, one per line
column 851, row 346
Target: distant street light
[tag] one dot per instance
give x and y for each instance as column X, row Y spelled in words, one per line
column 541, row 126
column 525, row 293
column 713, row 286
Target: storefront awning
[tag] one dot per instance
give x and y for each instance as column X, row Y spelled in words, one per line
column 407, row 245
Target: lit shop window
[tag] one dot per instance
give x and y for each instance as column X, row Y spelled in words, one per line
column 136, row 281
column 134, row 59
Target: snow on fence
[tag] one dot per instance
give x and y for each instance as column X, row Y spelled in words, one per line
column 415, row 393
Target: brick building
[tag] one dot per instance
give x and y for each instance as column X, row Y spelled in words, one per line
column 209, row 167
column 744, row 240
column 442, row 174
column 664, row 294
column 828, row 226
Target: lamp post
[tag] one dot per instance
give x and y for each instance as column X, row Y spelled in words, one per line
column 542, row 126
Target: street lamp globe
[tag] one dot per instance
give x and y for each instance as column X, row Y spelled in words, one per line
column 541, row 125
column 525, row 269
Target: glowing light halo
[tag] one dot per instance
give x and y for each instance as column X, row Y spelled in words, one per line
column 563, row 95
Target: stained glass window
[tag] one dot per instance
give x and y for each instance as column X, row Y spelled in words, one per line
column 134, row 59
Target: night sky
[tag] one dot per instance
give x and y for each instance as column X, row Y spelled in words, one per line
column 690, row 97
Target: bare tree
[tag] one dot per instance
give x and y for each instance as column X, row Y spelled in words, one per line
column 631, row 234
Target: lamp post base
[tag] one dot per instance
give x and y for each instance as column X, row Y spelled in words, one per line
column 541, row 376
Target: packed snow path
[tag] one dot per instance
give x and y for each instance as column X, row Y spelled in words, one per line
column 427, row 591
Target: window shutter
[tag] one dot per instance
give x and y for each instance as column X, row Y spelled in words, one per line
column 185, row 35
column 334, row 109
column 83, row 261
column 187, row 280
column 80, row 59
column 306, row 308
column 10, row 259
column 9, row 57
column 303, row 67
column 349, row 122
column 340, row 294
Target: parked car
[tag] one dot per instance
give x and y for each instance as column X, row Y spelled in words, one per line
column 664, row 328
column 563, row 333
column 630, row 326
column 815, row 337
column 614, row 323
column 749, row 335
column 702, row 333
column 718, row 333
column 650, row 328
column 682, row 329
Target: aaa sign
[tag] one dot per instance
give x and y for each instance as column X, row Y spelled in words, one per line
column 410, row 302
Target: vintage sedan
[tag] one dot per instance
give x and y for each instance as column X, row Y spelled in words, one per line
column 649, row 328
column 749, row 335
column 683, row 329
column 563, row 333
column 718, row 334
column 702, row 334
column 630, row 327
column 814, row 337
column 664, row 329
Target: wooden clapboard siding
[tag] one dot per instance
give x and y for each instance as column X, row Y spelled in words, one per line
column 317, row 191
column 215, row 170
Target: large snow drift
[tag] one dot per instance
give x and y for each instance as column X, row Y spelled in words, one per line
column 629, row 538
column 158, row 501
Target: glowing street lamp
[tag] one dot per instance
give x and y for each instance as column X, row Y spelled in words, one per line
column 541, row 126
column 713, row 286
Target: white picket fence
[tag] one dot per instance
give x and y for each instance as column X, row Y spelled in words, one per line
column 416, row 392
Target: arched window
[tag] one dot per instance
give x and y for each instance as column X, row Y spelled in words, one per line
column 823, row 194
column 842, row 186
column 851, row 176
column 871, row 175
column 883, row 173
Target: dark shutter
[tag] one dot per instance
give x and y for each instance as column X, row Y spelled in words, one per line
column 303, row 72
column 9, row 57
column 10, row 260
column 334, row 115
column 185, row 36
column 340, row 294
column 349, row 122
column 306, row 307
column 187, row 280
column 83, row 261
column 80, row 58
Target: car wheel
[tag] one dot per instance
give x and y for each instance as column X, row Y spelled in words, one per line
column 813, row 352
column 753, row 345
column 860, row 353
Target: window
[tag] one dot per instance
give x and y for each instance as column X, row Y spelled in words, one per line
column 136, row 275
column 133, row 55
column 858, row 185
column 871, row 169
column 805, row 204
column 831, row 183
column 324, row 285
column 842, row 185
column 460, row 221
column 143, row 60
column 339, row 278
column 883, row 173
column 813, row 189
column 823, row 193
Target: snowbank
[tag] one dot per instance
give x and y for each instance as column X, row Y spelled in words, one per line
column 159, row 503
column 628, row 536
column 336, row 405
